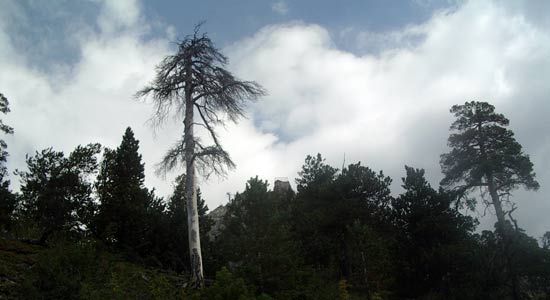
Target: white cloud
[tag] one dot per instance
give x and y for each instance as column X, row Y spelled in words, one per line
column 280, row 7
column 91, row 103
column 117, row 15
column 391, row 108
column 385, row 110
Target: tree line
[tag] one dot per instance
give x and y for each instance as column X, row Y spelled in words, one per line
column 340, row 235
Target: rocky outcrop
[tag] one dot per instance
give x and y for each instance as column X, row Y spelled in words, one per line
column 217, row 216
column 281, row 186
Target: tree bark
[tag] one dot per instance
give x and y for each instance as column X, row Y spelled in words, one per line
column 190, row 185
column 496, row 201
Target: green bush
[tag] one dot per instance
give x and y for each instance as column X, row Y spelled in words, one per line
column 226, row 287
column 84, row 271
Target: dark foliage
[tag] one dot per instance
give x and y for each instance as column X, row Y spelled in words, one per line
column 56, row 190
column 484, row 154
column 7, row 199
column 128, row 211
column 432, row 241
column 175, row 254
column 341, row 235
column 257, row 242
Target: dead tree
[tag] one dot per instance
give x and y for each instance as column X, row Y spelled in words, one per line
column 194, row 81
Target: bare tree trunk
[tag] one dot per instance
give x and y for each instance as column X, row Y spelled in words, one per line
column 190, row 187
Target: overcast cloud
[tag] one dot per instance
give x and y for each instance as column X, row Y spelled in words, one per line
column 386, row 108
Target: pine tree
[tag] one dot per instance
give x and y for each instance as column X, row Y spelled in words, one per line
column 4, row 108
column 56, row 191
column 485, row 154
column 7, row 199
column 122, row 218
column 257, row 238
column 432, row 240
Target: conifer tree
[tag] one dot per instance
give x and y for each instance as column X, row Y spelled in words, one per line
column 432, row 239
column 257, row 237
column 334, row 210
column 7, row 199
column 56, row 190
column 484, row 154
column 122, row 218
column 4, row 108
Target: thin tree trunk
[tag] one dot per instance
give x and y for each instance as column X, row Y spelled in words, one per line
column 190, row 187
column 496, row 201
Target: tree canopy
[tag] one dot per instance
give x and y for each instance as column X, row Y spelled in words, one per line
column 485, row 154
column 56, row 190
column 124, row 213
column 7, row 199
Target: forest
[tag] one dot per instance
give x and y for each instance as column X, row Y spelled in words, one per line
column 84, row 226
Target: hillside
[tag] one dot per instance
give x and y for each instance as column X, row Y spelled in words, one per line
column 84, row 271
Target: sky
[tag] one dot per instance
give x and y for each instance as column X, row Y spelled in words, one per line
column 369, row 81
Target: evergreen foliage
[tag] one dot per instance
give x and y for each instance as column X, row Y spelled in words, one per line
column 86, row 271
column 176, row 254
column 56, row 190
column 337, row 216
column 7, row 199
column 130, row 217
column 485, row 154
column 257, row 239
column 4, row 108
column 227, row 287
column 432, row 240
column 341, row 235
column 125, row 212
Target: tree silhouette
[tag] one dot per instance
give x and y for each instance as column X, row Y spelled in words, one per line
column 485, row 154
column 195, row 80
column 4, row 108
column 56, row 190
column 7, row 199
column 123, row 212
column 431, row 238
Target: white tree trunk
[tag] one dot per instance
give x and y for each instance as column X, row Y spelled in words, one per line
column 190, row 189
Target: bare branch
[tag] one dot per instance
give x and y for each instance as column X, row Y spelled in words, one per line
column 509, row 213
column 172, row 158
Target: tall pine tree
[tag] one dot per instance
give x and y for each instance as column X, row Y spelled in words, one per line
column 432, row 240
column 123, row 212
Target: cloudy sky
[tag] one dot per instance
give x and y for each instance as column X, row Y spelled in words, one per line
column 371, row 81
